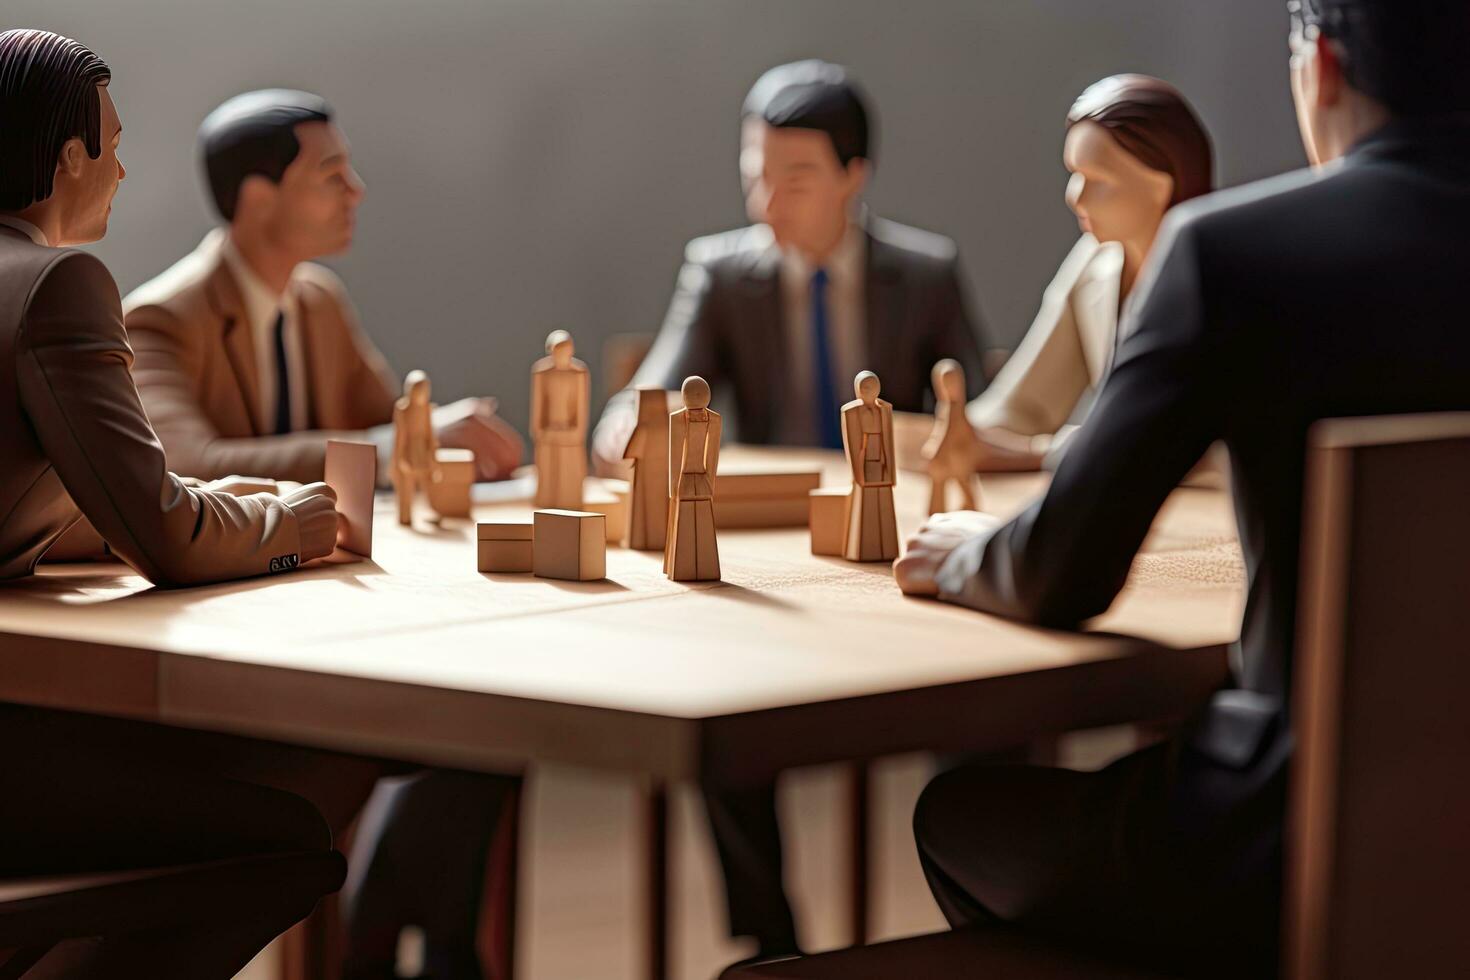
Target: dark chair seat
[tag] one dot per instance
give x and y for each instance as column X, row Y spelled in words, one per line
column 36, row 913
column 981, row 955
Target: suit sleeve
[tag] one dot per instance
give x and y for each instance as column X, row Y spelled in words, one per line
column 167, row 363
column 958, row 329
column 72, row 369
column 687, row 343
column 1064, row 559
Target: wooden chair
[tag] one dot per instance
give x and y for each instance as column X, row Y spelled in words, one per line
column 37, row 913
column 1379, row 860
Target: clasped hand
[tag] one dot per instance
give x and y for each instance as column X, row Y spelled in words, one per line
column 929, row 547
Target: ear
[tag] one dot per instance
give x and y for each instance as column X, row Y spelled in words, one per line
column 73, row 157
column 858, row 171
column 257, row 193
column 1325, row 73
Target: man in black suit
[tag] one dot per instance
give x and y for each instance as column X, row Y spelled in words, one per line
column 1334, row 293
column 779, row 317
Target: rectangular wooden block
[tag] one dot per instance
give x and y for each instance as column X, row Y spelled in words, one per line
column 765, row 484
column 828, row 519
column 450, row 497
column 504, row 547
column 352, row 471
column 598, row 498
column 569, row 544
column 749, row 513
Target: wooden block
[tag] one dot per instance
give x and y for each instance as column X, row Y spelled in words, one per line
column 789, row 511
column 766, row 484
column 828, row 519
column 243, row 486
column 352, row 471
column 504, row 547
column 569, row 544
column 450, row 494
column 598, row 499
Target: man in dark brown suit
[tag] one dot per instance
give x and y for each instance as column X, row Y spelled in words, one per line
column 74, row 441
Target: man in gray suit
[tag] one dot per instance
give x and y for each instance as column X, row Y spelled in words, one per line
column 779, row 317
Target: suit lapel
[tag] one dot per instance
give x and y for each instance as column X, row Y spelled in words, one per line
column 884, row 294
column 224, row 297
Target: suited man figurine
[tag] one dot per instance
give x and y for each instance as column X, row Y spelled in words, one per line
column 867, row 435
column 249, row 353
column 1339, row 292
column 775, row 314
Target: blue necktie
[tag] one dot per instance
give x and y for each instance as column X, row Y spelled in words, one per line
column 829, row 425
column 283, row 380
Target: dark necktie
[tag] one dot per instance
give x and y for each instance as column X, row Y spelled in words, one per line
column 829, row 424
column 283, row 379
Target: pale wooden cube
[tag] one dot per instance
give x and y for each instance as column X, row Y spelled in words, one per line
column 504, row 547
column 827, row 517
column 569, row 544
column 450, row 495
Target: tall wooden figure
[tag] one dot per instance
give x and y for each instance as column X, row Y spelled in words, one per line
column 414, row 443
column 561, row 393
column 867, row 435
column 953, row 445
column 691, row 554
column 648, row 491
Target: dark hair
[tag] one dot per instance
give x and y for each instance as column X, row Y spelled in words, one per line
column 1153, row 122
column 1408, row 54
column 816, row 95
column 254, row 133
column 48, row 95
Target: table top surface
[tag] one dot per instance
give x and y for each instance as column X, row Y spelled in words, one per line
column 783, row 628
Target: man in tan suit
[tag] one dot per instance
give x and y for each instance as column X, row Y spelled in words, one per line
column 97, row 794
column 249, row 354
column 250, row 358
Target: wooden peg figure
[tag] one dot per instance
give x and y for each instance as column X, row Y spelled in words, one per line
column 648, row 490
column 691, row 554
column 414, row 443
column 867, row 436
column 952, row 446
column 561, row 393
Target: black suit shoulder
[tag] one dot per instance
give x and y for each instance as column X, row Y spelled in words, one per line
column 915, row 246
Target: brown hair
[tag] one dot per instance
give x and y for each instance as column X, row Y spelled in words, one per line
column 1152, row 121
column 48, row 95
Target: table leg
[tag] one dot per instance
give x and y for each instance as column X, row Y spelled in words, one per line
column 859, row 808
column 656, row 825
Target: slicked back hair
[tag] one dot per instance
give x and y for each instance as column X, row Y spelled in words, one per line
column 254, row 133
column 818, row 95
column 48, row 95
column 1410, row 55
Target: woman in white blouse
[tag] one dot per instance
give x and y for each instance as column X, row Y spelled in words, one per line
column 1135, row 148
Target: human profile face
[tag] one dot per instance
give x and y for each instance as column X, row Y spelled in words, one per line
column 794, row 183
column 313, row 210
column 1116, row 197
column 85, row 187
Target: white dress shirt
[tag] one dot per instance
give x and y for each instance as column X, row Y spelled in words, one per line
column 262, row 305
column 846, row 318
column 22, row 225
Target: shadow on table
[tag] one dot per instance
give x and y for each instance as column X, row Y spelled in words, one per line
column 599, row 587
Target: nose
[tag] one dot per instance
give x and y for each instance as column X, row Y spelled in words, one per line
column 356, row 186
column 1075, row 187
column 122, row 172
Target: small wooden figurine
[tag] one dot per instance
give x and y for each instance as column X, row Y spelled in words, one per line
column 867, row 436
column 648, row 493
column 952, row 446
column 561, row 394
column 414, row 444
column 691, row 553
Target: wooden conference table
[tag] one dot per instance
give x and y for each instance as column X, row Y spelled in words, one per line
column 791, row 660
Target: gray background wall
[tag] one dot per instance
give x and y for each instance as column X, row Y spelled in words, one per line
column 540, row 163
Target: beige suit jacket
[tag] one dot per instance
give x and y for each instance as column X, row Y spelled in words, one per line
column 196, row 370
column 74, row 439
column 1067, row 350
